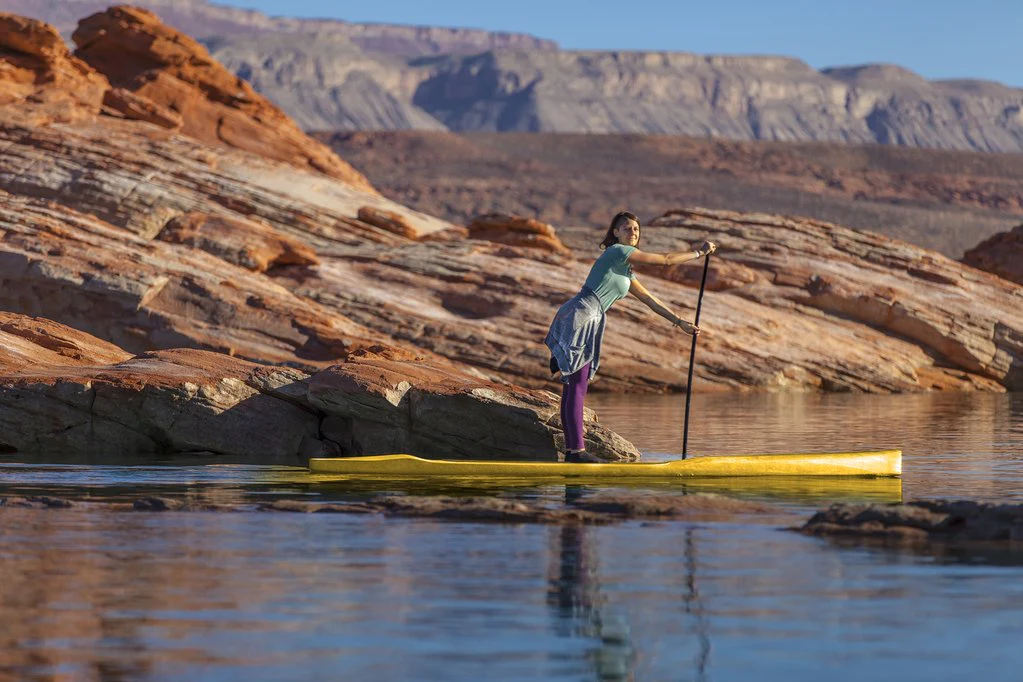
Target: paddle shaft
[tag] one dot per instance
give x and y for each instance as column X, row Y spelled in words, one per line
column 692, row 359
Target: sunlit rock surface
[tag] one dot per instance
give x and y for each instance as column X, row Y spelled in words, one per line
column 67, row 394
column 137, row 52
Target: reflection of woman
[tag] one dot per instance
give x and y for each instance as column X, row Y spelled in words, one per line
column 578, row 327
column 575, row 595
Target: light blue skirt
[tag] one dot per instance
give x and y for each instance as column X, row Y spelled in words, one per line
column 576, row 333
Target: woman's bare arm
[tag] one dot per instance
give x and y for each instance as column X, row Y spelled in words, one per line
column 673, row 258
column 652, row 302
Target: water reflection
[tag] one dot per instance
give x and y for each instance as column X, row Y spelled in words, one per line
column 575, row 595
column 954, row 444
column 694, row 605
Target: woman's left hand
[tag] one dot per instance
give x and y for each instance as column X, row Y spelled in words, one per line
column 687, row 327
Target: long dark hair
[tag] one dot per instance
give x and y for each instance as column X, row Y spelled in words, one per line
column 609, row 238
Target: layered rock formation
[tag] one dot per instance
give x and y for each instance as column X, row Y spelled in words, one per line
column 963, row 320
column 40, row 80
column 516, row 231
column 203, row 20
column 140, row 54
column 1001, row 254
column 739, row 98
column 67, row 393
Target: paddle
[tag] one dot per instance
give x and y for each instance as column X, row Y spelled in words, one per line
column 692, row 359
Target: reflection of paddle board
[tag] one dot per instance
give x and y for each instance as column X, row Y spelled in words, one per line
column 878, row 463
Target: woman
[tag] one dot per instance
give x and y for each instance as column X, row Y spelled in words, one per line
column 576, row 332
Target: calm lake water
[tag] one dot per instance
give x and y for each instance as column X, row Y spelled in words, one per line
column 101, row 595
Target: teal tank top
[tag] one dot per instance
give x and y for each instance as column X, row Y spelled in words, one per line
column 611, row 275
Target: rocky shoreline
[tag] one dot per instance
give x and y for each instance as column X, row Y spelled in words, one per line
column 602, row 508
column 912, row 524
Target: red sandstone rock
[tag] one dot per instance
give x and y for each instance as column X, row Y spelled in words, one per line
column 516, row 231
column 247, row 243
column 138, row 108
column 137, row 52
column 36, row 68
column 34, row 341
column 62, row 392
column 387, row 220
column 143, row 295
column 1002, row 255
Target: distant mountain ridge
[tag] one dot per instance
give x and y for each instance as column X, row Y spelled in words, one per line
column 202, row 20
column 335, row 75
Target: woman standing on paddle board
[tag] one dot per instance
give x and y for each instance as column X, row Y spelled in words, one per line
column 578, row 327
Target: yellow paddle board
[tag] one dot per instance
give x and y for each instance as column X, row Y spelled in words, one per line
column 876, row 463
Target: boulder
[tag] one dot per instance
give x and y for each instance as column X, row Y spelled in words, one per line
column 63, row 393
column 382, row 400
column 1001, row 255
column 922, row 520
column 248, row 243
column 387, row 220
column 137, row 52
column 516, row 231
column 40, row 81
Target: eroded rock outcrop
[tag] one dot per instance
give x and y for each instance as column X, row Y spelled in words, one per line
column 137, row 52
column 965, row 320
column 143, row 294
column 1002, row 255
column 921, row 520
column 516, row 231
column 250, row 244
column 40, row 81
column 62, row 392
column 383, row 400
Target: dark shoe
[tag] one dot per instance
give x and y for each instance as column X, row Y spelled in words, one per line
column 582, row 457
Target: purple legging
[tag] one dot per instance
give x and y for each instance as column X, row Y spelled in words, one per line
column 573, row 393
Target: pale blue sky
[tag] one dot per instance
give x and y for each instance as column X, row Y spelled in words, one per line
column 935, row 38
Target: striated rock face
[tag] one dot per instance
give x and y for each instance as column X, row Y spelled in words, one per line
column 964, row 320
column 139, row 53
column 516, row 231
column 142, row 294
column 81, row 248
column 64, row 392
column 1002, row 255
column 247, row 243
column 763, row 98
column 382, row 400
column 40, row 81
column 78, row 241
column 724, row 97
